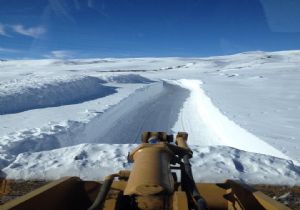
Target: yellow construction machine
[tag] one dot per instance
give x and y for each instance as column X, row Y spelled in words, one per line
column 161, row 179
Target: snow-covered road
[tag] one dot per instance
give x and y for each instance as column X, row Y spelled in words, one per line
column 160, row 113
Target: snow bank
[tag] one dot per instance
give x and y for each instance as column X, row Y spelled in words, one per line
column 18, row 95
column 218, row 128
column 260, row 92
column 95, row 161
column 217, row 163
column 89, row 161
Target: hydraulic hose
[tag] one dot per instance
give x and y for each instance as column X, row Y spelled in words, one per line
column 104, row 189
column 201, row 204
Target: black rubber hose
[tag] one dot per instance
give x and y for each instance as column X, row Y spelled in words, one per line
column 104, row 189
column 201, row 204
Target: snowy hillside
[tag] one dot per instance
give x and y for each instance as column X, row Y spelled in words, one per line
column 81, row 117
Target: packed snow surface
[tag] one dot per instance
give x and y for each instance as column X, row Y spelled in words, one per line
column 82, row 117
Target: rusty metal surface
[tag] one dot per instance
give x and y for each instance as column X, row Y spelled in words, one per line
column 181, row 140
column 4, row 187
column 55, row 195
column 180, row 201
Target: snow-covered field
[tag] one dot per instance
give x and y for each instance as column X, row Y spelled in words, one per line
column 81, row 117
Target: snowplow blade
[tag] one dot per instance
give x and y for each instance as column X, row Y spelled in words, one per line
column 73, row 193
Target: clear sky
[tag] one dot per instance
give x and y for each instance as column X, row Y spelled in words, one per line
column 137, row 28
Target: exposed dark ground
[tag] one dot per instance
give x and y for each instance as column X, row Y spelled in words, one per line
column 290, row 196
column 19, row 188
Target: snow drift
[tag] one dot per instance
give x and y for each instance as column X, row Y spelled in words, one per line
column 18, row 96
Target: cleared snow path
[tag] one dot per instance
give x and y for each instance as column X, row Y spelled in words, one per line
column 125, row 122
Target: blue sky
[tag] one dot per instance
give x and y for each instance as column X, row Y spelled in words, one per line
column 137, row 28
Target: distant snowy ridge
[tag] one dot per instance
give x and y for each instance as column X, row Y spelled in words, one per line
column 95, row 161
